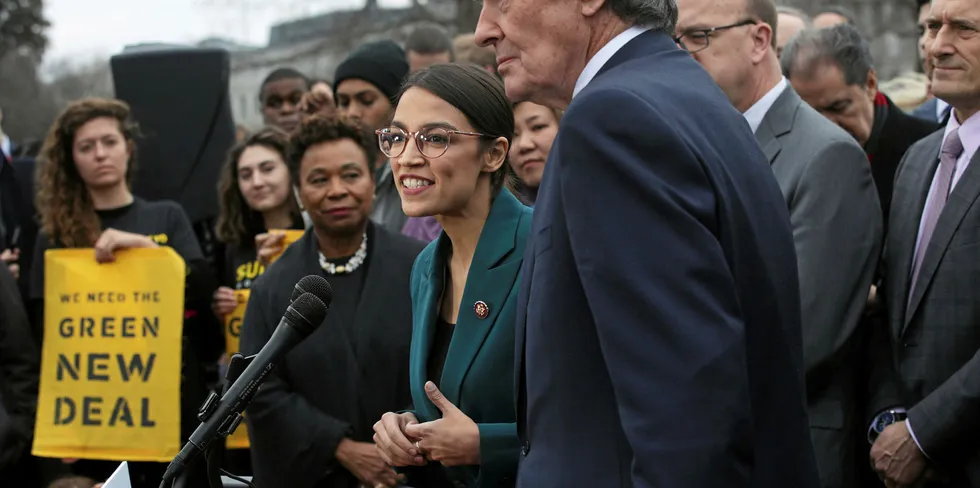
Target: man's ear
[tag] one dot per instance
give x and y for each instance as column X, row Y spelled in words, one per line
column 872, row 84
column 762, row 35
column 591, row 7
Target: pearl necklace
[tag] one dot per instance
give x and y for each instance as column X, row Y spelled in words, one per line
column 352, row 264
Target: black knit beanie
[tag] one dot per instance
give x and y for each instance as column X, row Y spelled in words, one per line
column 381, row 63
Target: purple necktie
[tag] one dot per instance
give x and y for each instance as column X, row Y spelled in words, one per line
column 952, row 149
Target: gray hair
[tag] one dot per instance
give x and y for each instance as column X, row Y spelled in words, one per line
column 841, row 45
column 795, row 12
column 659, row 15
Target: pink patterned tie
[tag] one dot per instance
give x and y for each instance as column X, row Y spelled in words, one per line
column 951, row 151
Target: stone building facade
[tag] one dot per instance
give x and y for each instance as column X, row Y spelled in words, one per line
column 889, row 26
column 315, row 45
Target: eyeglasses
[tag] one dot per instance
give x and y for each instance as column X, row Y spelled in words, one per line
column 432, row 142
column 698, row 40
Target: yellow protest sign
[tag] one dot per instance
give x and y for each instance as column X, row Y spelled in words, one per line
column 233, row 328
column 291, row 237
column 110, row 363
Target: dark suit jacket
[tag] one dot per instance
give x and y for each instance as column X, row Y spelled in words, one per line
column 24, row 169
column 899, row 132
column 19, row 370
column 478, row 372
column 934, row 345
column 331, row 385
column 658, row 326
column 825, row 178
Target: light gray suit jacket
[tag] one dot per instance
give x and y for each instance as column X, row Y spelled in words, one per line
column 837, row 228
column 935, row 345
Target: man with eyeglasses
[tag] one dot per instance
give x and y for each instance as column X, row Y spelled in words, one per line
column 834, row 210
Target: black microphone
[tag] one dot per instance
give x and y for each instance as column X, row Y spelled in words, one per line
column 302, row 317
column 314, row 284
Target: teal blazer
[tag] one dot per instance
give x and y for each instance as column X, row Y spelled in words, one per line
column 478, row 376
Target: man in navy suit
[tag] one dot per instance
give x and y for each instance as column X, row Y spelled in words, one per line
column 658, row 329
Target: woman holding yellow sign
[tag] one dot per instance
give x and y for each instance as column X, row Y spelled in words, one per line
column 85, row 201
column 256, row 195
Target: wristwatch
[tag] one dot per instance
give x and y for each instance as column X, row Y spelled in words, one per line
column 884, row 419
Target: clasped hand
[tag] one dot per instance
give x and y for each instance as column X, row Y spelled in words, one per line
column 453, row 440
column 897, row 459
column 364, row 462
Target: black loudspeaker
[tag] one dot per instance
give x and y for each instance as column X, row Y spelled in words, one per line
column 179, row 98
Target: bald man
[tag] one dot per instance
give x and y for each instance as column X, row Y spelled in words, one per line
column 789, row 21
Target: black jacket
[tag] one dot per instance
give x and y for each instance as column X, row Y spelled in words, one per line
column 19, row 371
column 886, row 148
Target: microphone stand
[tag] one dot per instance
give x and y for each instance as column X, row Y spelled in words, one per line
column 212, row 454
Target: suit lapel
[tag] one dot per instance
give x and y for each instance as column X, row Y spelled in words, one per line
column 909, row 200
column 491, row 277
column 777, row 123
column 768, row 142
column 425, row 314
column 960, row 200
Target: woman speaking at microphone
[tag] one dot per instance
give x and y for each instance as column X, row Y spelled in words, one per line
column 448, row 145
column 310, row 423
column 84, row 200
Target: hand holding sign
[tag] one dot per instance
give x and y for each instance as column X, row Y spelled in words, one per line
column 223, row 302
column 113, row 240
column 271, row 245
column 453, row 440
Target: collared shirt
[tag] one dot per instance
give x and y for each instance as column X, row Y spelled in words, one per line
column 760, row 108
column 6, row 146
column 604, row 55
column 970, row 137
column 941, row 108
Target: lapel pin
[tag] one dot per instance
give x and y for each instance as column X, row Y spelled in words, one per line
column 482, row 309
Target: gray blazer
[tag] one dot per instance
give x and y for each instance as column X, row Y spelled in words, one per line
column 837, row 228
column 935, row 347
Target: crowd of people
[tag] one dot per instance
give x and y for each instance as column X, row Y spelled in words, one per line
column 671, row 243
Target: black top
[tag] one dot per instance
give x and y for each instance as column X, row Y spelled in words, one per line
column 889, row 140
column 440, row 349
column 166, row 223
column 162, row 221
column 347, row 287
column 240, row 265
column 341, row 379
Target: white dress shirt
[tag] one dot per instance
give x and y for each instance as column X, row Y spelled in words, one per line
column 941, row 108
column 760, row 108
column 5, row 146
column 604, row 55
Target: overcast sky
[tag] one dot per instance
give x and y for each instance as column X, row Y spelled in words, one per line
column 85, row 29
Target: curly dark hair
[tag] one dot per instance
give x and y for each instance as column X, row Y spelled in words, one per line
column 63, row 201
column 326, row 128
column 237, row 223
